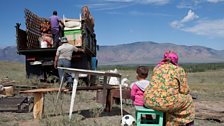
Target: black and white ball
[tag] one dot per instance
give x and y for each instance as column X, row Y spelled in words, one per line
column 128, row 120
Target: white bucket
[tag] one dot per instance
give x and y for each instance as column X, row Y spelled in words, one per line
column 43, row 44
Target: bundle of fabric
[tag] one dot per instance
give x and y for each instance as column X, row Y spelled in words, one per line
column 72, row 24
column 45, row 27
column 113, row 80
column 46, row 38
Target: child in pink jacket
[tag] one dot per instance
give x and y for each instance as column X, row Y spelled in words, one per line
column 138, row 87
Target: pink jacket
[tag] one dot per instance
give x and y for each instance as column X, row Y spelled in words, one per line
column 137, row 91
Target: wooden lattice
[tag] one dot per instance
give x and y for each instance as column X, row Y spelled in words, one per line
column 33, row 25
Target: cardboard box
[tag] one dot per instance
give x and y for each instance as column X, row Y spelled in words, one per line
column 74, row 37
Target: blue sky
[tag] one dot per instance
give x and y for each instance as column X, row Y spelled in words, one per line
column 182, row 22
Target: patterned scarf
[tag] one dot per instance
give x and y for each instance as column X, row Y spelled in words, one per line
column 171, row 57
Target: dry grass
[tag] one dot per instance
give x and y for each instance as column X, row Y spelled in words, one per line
column 205, row 85
column 12, row 71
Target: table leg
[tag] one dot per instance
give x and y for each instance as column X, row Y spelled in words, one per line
column 121, row 97
column 75, row 83
column 104, row 90
column 109, row 100
column 61, row 83
column 38, row 105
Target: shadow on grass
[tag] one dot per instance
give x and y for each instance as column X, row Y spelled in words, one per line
column 116, row 111
column 89, row 113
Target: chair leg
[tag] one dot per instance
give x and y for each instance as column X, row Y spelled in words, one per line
column 152, row 122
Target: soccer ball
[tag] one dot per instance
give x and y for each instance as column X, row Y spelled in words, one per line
column 128, row 120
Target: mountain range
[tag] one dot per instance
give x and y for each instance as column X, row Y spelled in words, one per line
column 151, row 52
column 139, row 53
column 10, row 54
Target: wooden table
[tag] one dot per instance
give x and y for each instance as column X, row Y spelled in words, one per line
column 39, row 99
column 76, row 73
column 114, row 94
column 38, row 94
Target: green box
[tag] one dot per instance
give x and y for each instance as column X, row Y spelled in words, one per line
column 69, row 32
column 74, row 37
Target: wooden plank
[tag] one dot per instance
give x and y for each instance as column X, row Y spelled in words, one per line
column 126, row 93
column 38, row 105
column 44, row 90
column 11, row 104
column 98, row 87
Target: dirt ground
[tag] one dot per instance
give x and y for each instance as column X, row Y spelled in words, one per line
column 89, row 113
column 210, row 110
column 207, row 86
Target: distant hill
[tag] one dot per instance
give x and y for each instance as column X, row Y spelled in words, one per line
column 139, row 53
column 151, row 52
column 10, row 54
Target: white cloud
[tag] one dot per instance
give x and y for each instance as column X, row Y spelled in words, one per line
column 157, row 2
column 183, row 5
column 108, row 6
column 119, row 1
column 189, row 17
column 137, row 13
column 176, row 24
column 215, row 1
column 117, row 4
column 140, row 13
column 211, row 28
column 189, row 4
column 154, row 2
column 194, row 4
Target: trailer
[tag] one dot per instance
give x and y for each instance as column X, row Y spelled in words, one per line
column 40, row 59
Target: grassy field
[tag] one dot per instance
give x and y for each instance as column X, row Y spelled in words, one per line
column 13, row 71
column 206, row 86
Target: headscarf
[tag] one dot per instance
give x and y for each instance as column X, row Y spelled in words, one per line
column 169, row 56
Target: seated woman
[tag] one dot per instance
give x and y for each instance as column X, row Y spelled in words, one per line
column 169, row 92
